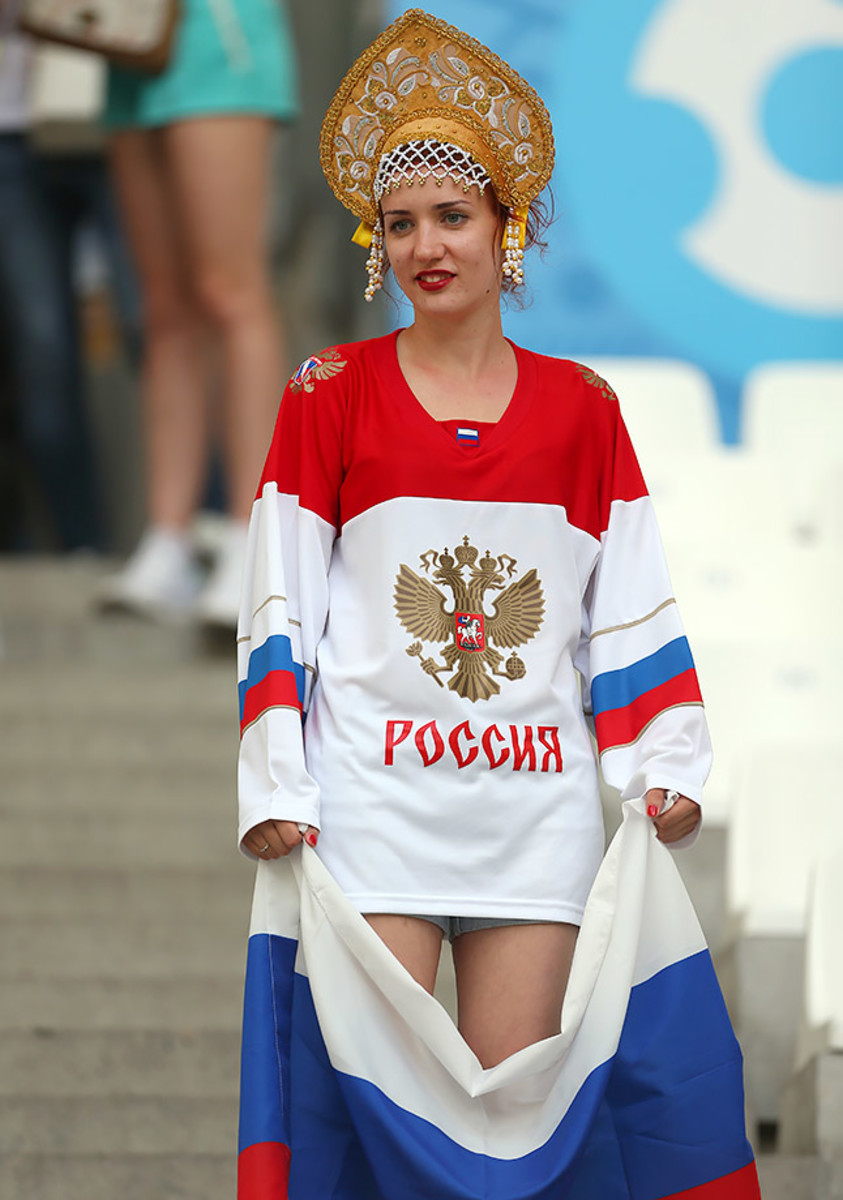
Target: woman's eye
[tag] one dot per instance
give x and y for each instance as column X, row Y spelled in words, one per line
column 454, row 218
column 400, row 225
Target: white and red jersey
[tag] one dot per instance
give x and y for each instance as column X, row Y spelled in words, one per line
column 429, row 608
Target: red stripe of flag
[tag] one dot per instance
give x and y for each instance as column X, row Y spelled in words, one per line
column 276, row 688
column 620, row 726
column 263, row 1172
column 739, row 1185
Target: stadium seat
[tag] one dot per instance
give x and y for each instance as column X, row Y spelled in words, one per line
column 811, row 1104
column 793, row 416
column 794, row 410
column 786, row 810
column 752, row 592
column 668, row 405
column 725, row 496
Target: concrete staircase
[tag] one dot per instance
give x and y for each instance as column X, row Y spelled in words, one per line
column 124, row 905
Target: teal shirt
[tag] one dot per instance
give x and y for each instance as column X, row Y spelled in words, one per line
column 230, row 56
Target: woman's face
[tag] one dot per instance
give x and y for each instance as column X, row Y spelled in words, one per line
column 444, row 245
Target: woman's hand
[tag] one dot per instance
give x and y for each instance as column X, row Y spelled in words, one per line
column 680, row 819
column 275, row 839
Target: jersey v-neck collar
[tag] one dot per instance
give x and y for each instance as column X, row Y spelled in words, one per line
column 438, row 431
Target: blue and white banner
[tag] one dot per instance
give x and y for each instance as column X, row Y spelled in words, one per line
column 699, row 177
column 356, row 1084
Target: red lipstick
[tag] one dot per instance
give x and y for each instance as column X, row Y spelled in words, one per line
column 433, row 281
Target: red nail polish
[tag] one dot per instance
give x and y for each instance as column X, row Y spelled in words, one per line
column 652, row 810
column 311, row 838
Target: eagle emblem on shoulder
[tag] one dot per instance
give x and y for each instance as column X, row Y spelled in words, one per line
column 470, row 625
column 319, row 366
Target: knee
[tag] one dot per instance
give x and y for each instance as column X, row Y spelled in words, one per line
column 227, row 300
column 168, row 315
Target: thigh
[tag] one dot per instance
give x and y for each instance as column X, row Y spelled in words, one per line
column 416, row 944
column 147, row 207
column 511, row 982
column 219, row 167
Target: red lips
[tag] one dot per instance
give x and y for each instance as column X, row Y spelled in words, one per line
column 430, row 281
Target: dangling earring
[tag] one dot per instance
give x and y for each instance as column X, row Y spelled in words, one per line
column 514, row 237
column 374, row 263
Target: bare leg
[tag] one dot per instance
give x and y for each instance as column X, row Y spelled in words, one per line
column 511, row 982
column 174, row 369
column 414, row 942
column 219, row 170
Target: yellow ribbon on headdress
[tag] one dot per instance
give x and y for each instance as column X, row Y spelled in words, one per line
column 363, row 235
column 518, row 216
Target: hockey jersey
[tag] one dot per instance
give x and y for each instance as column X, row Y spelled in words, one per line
column 430, row 616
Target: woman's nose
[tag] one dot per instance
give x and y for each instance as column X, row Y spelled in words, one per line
column 429, row 243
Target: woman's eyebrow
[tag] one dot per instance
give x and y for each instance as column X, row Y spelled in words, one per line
column 405, row 212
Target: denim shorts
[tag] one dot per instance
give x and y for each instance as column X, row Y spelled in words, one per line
column 452, row 927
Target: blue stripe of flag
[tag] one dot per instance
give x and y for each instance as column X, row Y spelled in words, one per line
column 276, row 654
column 616, row 689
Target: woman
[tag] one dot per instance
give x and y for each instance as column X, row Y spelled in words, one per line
column 449, row 531
column 191, row 156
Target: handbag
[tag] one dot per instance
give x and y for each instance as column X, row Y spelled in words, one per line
column 130, row 33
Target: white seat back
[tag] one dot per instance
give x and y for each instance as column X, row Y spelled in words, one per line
column 668, row 405
column 822, row 1024
column 787, row 811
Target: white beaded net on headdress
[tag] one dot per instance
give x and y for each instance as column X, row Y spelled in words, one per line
column 428, row 159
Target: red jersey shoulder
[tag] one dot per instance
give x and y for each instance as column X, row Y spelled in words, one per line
column 335, row 361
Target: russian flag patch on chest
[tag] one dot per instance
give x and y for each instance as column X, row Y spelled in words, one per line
column 468, row 435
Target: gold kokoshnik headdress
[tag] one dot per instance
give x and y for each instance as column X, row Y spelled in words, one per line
column 426, row 101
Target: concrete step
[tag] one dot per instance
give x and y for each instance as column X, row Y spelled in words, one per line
column 114, row 691
column 211, row 893
column 115, row 1177
column 212, row 1002
column 119, row 842
column 48, row 614
column 70, row 1063
column 133, row 1125
column 121, row 945
column 73, row 742
column 789, row 1177
column 106, row 789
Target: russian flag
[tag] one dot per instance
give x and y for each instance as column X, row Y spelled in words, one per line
column 356, row 1085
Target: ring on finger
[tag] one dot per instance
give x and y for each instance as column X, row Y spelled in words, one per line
column 264, row 849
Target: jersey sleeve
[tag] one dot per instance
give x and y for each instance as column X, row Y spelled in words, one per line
column 284, row 603
column 639, row 680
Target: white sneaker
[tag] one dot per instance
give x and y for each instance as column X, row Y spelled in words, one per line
column 219, row 603
column 161, row 579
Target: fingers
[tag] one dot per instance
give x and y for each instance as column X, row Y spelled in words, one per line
column 275, row 839
column 680, row 819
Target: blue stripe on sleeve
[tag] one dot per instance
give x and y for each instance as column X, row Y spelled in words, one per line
column 276, row 654
column 616, row 689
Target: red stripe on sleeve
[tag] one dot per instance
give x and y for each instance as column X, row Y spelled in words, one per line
column 620, row 726
column 263, row 1172
column 276, row 689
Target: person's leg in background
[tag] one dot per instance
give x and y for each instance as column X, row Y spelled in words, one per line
column 39, row 307
column 161, row 576
column 219, row 171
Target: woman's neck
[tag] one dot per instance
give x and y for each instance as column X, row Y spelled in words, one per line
column 461, row 371
column 463, row 349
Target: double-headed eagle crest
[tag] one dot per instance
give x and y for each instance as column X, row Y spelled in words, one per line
column 319, row 366
column 468, row 629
